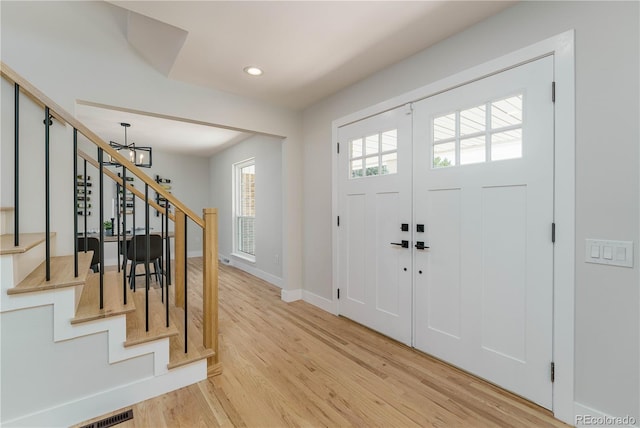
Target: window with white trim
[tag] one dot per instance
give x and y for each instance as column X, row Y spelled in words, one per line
column 488, row 132
column 244, row 209
column 375, row 154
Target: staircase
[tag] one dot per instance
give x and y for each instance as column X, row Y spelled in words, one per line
column 75, row 346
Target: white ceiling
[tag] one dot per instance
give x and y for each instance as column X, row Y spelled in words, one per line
column 167, row 135
column 307, row 49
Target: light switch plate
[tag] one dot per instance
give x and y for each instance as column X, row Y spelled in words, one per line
column 614, row 253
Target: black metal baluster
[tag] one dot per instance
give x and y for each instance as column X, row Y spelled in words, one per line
column 124, row 233
column 84, row 183
column 162, row 252
column 16, row 166
column 117, row 208
column 75, row 202
column 101, row 223
column 147, row 245
column 186, row 219
column 47, row 209
column 168, row 262
column 132, row 274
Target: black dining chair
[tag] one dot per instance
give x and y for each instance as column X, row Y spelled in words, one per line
column 137, row 253
column 93, row 244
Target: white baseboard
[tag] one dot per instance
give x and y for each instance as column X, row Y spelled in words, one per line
column 320, row 302
column 586, row 416
column 265, row 276
column 291, row 295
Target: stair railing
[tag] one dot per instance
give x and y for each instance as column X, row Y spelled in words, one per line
column 208, row 222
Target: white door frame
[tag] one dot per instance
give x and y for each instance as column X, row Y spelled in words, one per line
column 562, row 47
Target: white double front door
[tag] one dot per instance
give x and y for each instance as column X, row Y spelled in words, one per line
column 446, row 212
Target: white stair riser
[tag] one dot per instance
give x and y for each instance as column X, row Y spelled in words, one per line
column 6, row 222
column 16, row 267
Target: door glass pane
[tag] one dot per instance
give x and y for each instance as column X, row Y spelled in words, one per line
column 372, row 144
column 473, row 120
column 371, row 165
column 389, row 163
column 356, row 148
column 444, row 127
column 506, row 145
column 472, row 150
column 356, row 168
column 390, row 141
column 444, row 154
column 506, row 112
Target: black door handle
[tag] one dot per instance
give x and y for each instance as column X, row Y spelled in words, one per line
column 403, row 244
column 420, row 245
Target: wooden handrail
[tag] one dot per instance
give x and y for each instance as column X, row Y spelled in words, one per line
column 118, row 180
column 64, row 116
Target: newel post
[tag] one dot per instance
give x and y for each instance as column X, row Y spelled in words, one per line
column 210, row 289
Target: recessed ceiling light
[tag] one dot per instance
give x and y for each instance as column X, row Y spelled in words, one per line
column 254, row 71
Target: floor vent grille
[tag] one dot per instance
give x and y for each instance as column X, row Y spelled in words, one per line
column 111, row 420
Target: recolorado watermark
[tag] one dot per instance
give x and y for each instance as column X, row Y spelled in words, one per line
column 590, row 420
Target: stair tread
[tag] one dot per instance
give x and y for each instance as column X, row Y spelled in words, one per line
column 196, row 350
column 7, row 209
column 178, row 358
column 62, row 274
column 136, row 325
column 27, row 242
column 113, row 300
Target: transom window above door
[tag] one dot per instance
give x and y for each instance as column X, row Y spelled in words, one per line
column 488, row 132
column 373, row 155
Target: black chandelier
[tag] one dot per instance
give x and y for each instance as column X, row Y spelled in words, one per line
column 140, row 156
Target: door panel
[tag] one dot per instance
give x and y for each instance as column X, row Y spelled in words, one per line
column 374, row 200
column 444, row 312
column 388, row 277
column 355, row 255
column 483, row 187
column 504, row 239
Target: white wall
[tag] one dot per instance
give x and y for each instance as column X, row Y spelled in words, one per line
column 32, row 184
column 78, row 50
column 607, row 191
column 268, row 157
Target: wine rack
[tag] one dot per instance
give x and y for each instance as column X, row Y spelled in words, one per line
column 161, row 200
column 83, row 199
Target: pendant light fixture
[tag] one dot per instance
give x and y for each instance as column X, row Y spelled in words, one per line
column 140, row 156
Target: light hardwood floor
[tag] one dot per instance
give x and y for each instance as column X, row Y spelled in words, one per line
column 291, row 364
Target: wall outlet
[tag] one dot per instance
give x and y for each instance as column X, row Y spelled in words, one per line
column 277, row 259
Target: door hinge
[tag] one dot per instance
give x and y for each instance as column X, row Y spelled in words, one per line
column 553, row 233
column 553, row 92
column 338, row 294
column 338, row 221
column 338, row 147
column 553, row 371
